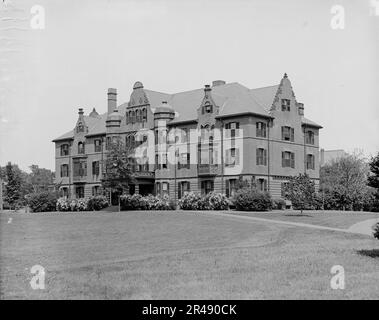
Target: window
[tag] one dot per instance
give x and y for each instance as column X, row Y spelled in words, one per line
column 138, row 116
column 288, row 159
column 97, row 145
column 262, row 184
column 81, row 148
column 310, row 161
column 80, row 168
column 80, row 127
column 184, row 161
column 165, row 188
column 158, row 189
column 230, row 187
column 283, row 187
column 309, row 137
column 64, row 150
column 144, row 114
column 261, row 129
column 261, row 157
column 184, row 135
column 96, row 191
column 109, row 142
column 232, row 157
column 133, row 117
column 126, row 117
column 183, row 188
column 231, row 129
column 206, row 187
column 95, row 168
column 288, row 134
column 64, row 170
column 164, row 161
column 79, row 192
column 64, row 192
column 286, row 105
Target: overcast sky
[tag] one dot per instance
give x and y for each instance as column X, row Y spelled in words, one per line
column 172, row 46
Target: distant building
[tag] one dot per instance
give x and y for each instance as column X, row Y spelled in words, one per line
column 269, row 139
column 327, row 156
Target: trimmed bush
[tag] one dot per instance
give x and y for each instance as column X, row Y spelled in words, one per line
column 252, row 200
column 97, row 203
column 212, row 201
column 376, row 230
column 42, row 201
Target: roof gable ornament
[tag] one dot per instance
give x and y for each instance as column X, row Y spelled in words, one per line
column 81, row 124
column 138, row 96
column 208, row 108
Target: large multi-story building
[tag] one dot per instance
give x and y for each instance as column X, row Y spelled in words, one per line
column 217, row 134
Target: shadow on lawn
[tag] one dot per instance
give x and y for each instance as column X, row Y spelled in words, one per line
column 374, row 253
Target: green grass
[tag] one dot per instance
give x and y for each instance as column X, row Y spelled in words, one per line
column 180, row 255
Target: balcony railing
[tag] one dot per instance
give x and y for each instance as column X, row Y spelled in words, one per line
column 144, row 174
column 79, row 178
column 207, row 169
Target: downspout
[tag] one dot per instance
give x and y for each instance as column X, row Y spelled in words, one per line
column 268, row 155
column 305, row 152
column 71, row 171
column 222, row 157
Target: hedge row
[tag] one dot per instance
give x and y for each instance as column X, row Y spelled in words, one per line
column 84, row 204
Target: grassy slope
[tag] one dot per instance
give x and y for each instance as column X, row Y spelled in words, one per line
column 178, row 256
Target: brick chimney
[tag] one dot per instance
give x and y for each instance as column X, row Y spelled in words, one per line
column 112, row 100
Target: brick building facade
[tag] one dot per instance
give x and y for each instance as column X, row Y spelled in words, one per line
column 213, row 136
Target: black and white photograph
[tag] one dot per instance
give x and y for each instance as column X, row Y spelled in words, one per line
column 189, row 150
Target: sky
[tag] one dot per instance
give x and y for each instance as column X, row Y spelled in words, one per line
column 87, row 46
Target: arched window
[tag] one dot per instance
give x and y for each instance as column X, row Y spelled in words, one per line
column 81, row 147
column 133, row 117
column 138, row 116
column 126, row 118
column 144, row 114
column 130, row 117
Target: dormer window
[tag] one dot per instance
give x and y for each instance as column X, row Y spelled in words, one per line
column 80, row 128
column 286, row 105
column 208, row 107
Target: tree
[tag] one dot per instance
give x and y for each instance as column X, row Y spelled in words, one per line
column 40, row 178
column 301, row 191
column 118, row 167
column 373, row 181
column 344, row 183
column 13, row 185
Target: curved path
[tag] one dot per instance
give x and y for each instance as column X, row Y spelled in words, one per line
column 364, row 227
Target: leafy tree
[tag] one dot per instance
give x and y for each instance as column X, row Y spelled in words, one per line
column 118, row 167
column 373, row 181
column 40, row 178
column 13, row 185
column 376, row 230
column 344, row 183
column 301, row 191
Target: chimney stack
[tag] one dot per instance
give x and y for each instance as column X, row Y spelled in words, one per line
column 112, row 100
column 216, row 83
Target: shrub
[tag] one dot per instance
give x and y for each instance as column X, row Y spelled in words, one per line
column 278, row 204
column 97, row 203
column 252, row 200
column 42, row 201
column 150, row 202
column 63, row 204
column 212, row 201
column 218, row 201
column 376, row 230
column 190, row 201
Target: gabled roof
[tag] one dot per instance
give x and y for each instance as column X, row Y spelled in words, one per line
column 232, row 99
column 265, row 96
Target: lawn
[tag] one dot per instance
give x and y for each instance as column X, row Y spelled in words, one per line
column 180, row 255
